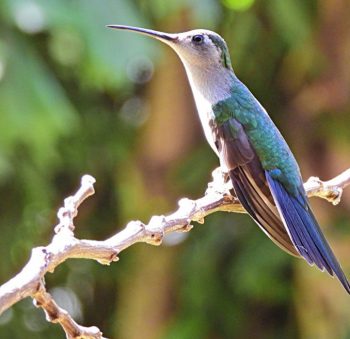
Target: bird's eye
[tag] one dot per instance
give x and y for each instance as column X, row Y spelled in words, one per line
column 197, row 39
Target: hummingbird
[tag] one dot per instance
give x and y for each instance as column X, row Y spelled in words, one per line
column 252, row 152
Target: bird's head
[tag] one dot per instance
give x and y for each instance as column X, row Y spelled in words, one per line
column 197, row 48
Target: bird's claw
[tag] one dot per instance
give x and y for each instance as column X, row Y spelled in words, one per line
column 220, row 183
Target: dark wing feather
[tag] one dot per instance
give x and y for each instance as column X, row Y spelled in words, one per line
column 249, row 182
column 260, row 208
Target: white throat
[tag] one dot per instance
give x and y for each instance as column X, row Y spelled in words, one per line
column 209, row 86
column 213, row 82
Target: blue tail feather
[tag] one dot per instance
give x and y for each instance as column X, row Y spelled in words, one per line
column 305, row 231
column 296, row 215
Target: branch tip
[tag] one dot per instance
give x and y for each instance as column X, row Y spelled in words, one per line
column 87, row 179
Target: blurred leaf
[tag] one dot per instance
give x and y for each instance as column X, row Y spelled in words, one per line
column 292, row 20
column 38, row 112
column 238, row 5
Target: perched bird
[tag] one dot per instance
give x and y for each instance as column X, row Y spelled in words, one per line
column 264, row 173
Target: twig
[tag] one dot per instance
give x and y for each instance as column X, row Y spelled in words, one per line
column 56, row 314
column 64, row 245
column 331, row 190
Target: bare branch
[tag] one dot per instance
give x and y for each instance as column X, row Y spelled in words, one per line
column 56, row 314
column 330, row 190
column 64, row 245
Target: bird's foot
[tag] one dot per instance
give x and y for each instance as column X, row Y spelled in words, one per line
column 221, row 183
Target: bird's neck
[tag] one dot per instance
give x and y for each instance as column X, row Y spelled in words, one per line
column 209, row 86
column 211, row 83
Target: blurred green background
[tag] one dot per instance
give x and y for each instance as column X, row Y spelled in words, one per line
column 77, row 98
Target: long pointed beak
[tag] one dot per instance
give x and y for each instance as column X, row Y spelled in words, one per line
column 165, row 37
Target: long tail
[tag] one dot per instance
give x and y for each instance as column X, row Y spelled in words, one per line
column 305, row 231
